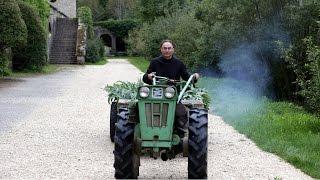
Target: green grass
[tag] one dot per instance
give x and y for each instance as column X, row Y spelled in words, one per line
column 48, row 69
column 103, row 61
column 139, row 62
column 281, row 128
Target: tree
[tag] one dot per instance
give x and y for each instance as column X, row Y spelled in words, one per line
column 148, row 10
column 43, row 9
column 33, row 55
column 13, row 30
column 121, row 9
column 98, row 8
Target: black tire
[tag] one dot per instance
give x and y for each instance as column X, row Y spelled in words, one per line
column 198, row 144
column 126, row 163
column 113, row 119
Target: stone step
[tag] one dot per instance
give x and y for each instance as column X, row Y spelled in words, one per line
column 63, row 44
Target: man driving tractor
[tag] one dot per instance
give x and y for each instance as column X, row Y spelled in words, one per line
column 167, row 65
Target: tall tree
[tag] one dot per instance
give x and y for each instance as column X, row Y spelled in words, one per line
column 121, row 9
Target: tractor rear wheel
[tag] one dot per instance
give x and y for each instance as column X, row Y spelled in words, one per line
column 113, row 119
column 198, row 143
column 125, row 161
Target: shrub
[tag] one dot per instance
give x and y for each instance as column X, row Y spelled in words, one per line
column 182, row 28
column 13, row 31
column 85, row 16
column 43, row 9
column 12, row 27
column 32, row 56
column 94, row 50
column 3, row 63
column 307, row 73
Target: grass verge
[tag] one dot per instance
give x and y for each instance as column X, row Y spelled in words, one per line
column 48, row 69
column 139, row 62
column 281, row 128
column 102, row 61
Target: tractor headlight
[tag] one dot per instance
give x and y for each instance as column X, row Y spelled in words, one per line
column 144, row 92
column 169, row 92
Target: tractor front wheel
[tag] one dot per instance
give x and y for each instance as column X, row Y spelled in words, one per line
column 125, row 161
column 198, row 144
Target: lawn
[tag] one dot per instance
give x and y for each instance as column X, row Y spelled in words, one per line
column 139, row 62
column 281, row 128
column 47, row 69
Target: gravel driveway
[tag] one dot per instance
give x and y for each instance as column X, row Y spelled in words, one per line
column 56, row 126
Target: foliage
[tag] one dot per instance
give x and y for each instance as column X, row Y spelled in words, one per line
column 185, row 34
column 98, row 8
column 139, row 62
column 123, row 90
column 277, row 127
column 120, row 9
column 307, row 73
column 119, row 27
column 85, row 15
column 286, row 130
column 43, row 9
column 206, row 31
column 32, row 56
column 3, row 63
column 128, row 90
column 148, row 10
column 94, row 50
column 13, row 31
column 12, row 27
column 200, row 94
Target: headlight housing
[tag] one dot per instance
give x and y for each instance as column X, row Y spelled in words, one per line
column 169, row 92
column 144, row 92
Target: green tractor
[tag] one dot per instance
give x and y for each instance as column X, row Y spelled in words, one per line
column 146, row 128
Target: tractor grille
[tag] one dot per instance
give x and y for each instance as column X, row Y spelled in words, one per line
column 156, row 114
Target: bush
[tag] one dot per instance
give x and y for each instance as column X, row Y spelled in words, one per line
column 307, row 73
column 85, row 16
column 4, row 63
column 43, row 10
column 13, row 29
column 94, row 50
column 32, row 56
column 182, row 28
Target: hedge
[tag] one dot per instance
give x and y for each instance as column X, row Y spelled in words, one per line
column 12, row 27
column 43, row 9
column 32, row 56
column 13, row 31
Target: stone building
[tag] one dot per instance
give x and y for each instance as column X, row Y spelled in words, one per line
column 65, row 32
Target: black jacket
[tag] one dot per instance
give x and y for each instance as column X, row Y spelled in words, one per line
column 172, row 69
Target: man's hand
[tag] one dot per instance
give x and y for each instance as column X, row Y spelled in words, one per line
column 151, row 75
column 196, row 76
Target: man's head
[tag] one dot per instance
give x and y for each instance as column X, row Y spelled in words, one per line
column 167, row 49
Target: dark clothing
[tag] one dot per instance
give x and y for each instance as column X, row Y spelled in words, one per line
column 172, row 69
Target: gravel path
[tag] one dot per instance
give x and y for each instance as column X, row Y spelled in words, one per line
column 64, row 135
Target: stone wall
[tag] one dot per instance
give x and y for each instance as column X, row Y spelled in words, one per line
column 67, row 7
